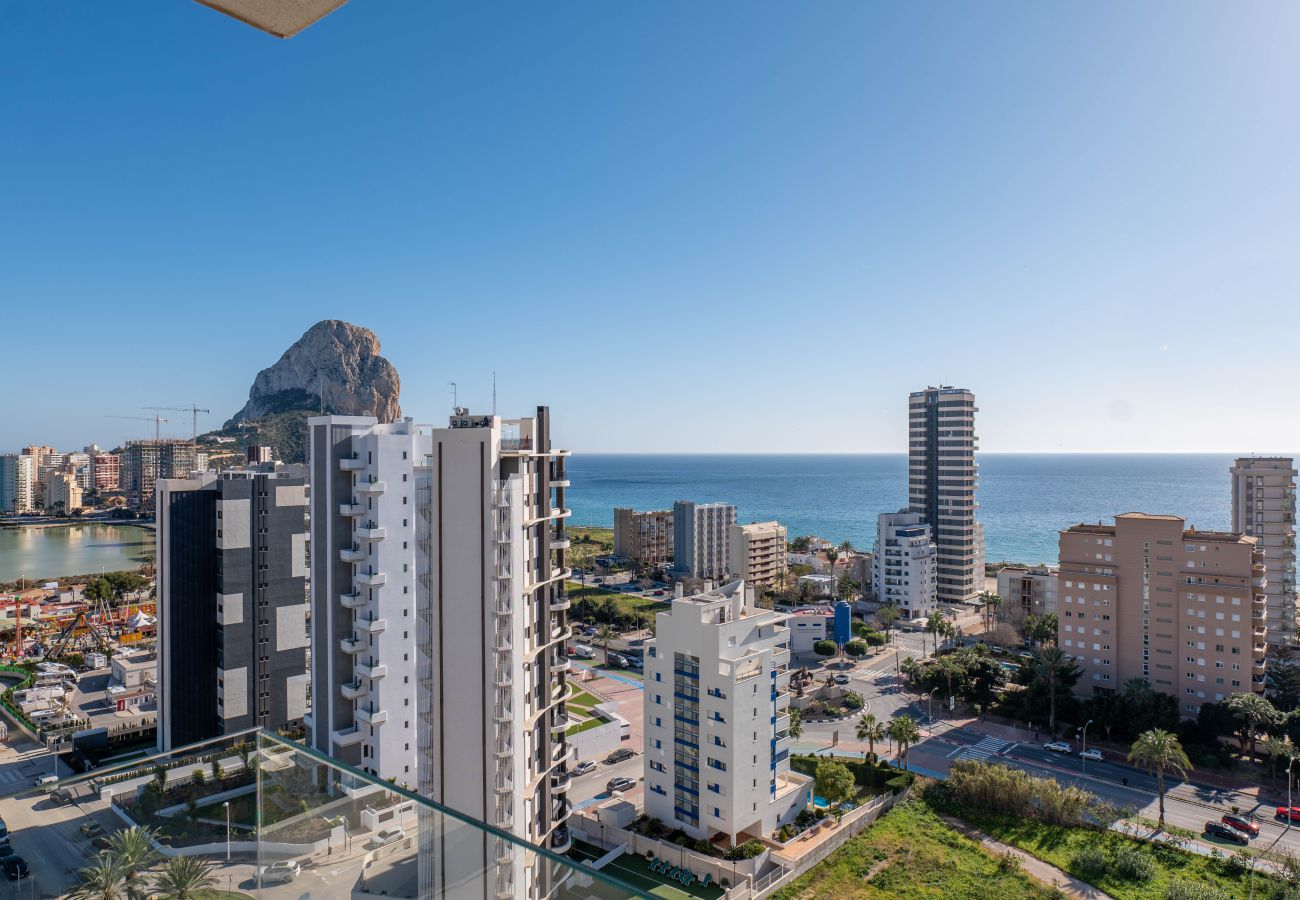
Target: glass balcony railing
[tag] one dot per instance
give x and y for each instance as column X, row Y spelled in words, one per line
column 259, row 816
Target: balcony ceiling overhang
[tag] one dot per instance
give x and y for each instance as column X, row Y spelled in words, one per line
column 282, row 18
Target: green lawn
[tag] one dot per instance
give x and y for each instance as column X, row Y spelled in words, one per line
column 585, row 725
column 1059, row 845
column 627, row 603
column 912, row 854
column 582, row 699
column 634, row 870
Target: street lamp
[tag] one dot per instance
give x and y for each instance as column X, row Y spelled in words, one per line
column 1085, row 748
column 929, row 709
column 226, row 804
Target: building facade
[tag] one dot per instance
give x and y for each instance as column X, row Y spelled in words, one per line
column 1263, row 505
column 942, row 478
column 145, row 461
column 492, row 667
column 62, row 493
column 363, row 577
column 107, row 471
column 757, row 553
column 717, row 718
column 17, row 484
column 701, row 538
column 1027, row 591
column 1147, row 598
column 644, row 537
column 232, row 605
column 904, row 564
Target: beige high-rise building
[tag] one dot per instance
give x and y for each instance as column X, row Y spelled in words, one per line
column 1147, row 598
column 757, row 553
column 62, row 493
column 941, row 481
column 644, row 537
column 1263, row 505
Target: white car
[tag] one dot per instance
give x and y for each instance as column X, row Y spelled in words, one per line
column 280, row 872
column 1092, row 755
column 387, row 836
column 1058, row 747
column 584, row 767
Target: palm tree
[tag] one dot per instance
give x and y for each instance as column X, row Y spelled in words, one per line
column 846, row 546
column 184, row 878
column 1276, row 748
column 1049, row 661
column 905, row 731
column 870, row 730
column 1254, row 713
column 104, row 880
column 796, row 723
column 605, row 634
column 888, row 615
column 933, row 623
column 990, row 603
column 133, row 849
column 1158, row 751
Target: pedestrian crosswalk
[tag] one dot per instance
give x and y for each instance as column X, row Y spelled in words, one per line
column 989, row 746
column 873, row 674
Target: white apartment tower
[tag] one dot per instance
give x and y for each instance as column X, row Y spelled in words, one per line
column 717, row 718
column 904, row 563
column 942, row 476
column 363, row 578
column 702, row 538
column 1263, row 506
column 17, row 483
column 492, row 671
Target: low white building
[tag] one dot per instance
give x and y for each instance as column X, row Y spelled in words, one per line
column 717, row 718
column 903, row 564
column 808, row 626
column 818, row 585
column 1027, row 591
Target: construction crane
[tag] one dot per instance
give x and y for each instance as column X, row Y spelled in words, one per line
column 192, row 409
column 158, row 423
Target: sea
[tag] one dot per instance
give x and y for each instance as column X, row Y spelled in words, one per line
column 1025, row 499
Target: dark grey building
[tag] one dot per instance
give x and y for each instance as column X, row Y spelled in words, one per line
column 232, row 604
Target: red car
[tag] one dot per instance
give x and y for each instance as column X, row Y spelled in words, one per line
column 1292, row 813
column 1241, row 823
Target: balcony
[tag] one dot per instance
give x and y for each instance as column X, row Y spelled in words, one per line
column 560, row 724
column 371, row 625
column 371, row 533
column 371, row 669
column 371, row 579
column 560, row 602
column 351, row 509
column 352, row 645
column 561, row 664
column 371, row 716
column 354, row 600
column 560, row 781
column 372, row 487
column 351, row 464
column 346, row 737
column 560, row 540
column 352, row 555
column 283, row 769
column 352, row 690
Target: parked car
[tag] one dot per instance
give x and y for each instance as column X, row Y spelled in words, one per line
column 15, row 868
column 1241, row 823
column 1292, row 813
column 660, row 592
column 1058, row 747
column 1024, row 654
column 584, row 767
column 619, row 660
column 91, row 829
column 620, row 784
column 281, row 872
column 1219, row 830
column 387, row 836
column 61, row 797
column 619, row 755
column 1093, row 755
column 101, row 843
column 635, row 662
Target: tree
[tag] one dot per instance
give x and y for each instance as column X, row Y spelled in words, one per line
column 824, row 647
column 856, row 649
column 1049, row 664
column 887, row 616
column 103, row 880
column 1158, row 751
column 905, row 732
column 1276, row 748
column 1283, row 683
column 933, row 624
column 605, row 634
column 989, row 603
column 846, row 546
column 796, row 723
column 847, row 587
column 184, row 878
column 833, row 781
column 1042, row 629
column 1254, row 714
column 870, row 730
column 133, row 850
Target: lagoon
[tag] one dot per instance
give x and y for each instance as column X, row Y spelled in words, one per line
column 47, row 554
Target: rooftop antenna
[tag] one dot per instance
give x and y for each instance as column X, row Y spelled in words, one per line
column 455, row 398
column 494, row 393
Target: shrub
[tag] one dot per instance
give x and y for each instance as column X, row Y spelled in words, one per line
column 805, row 818
column 834, row 781
column 898, row 783
column 856, row 649
column 702, row 846
column 1089, row 863
column 853, row 700
column 747, row 850
column 834, row 712
column 1191, row 890
column 824, row 648
column 1132, row 864
column 786, row 832
column 1009, row 861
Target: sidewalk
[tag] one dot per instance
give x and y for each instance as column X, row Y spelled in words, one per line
column 1040, row 871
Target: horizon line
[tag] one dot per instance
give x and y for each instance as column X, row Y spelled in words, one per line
column 1237, row 453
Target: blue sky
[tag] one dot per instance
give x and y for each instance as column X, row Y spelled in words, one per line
column 684, row 226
